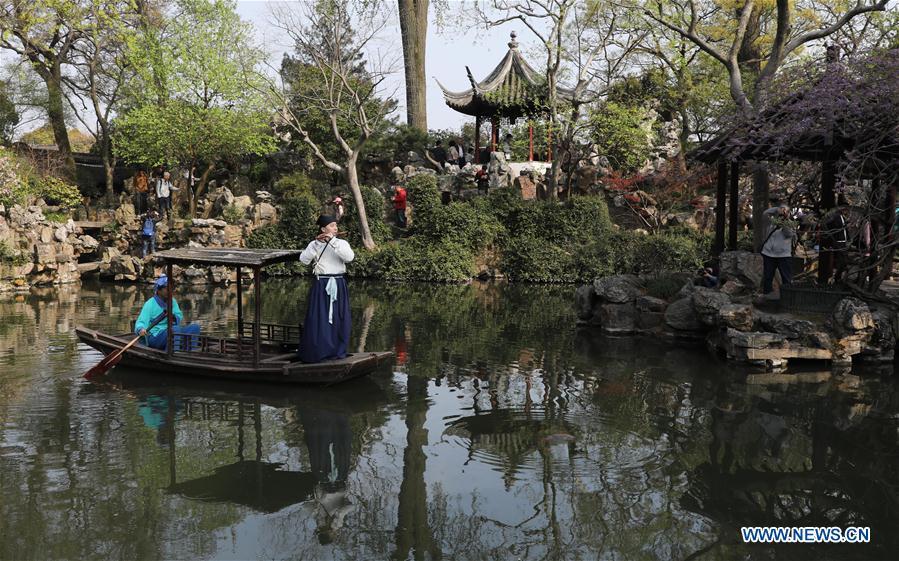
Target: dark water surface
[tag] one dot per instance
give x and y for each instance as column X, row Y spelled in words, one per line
column 500, row 432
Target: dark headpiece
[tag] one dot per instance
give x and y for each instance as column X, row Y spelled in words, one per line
column 324, row 220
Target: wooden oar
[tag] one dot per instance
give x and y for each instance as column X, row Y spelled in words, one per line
column 112, row 359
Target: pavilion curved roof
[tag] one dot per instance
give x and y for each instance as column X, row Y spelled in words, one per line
column 512, row 89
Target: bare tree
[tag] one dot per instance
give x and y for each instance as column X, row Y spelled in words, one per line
column 323, row 34
column 100, row 71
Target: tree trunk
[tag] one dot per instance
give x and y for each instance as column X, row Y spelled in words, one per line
column 201, row 188
column 53, row 79
column 352, row 178
column 414, row 31
column 109, row 168
column 759, row 203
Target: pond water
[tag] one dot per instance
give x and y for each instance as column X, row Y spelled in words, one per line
column 499, row 432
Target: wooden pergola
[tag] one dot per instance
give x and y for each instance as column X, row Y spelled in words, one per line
column 757, row 140
column 511, row 91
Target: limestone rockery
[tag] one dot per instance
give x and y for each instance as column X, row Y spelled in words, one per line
column 35, row 251
column 732, row 325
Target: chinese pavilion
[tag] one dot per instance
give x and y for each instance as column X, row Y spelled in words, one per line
column 513, row 90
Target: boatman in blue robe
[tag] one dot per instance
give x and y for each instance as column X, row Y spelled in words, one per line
column 155, row 309
column 326, row 332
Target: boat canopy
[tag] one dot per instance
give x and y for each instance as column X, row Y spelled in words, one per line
column 228, row 256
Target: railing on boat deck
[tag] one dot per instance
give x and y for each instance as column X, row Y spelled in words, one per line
column 271, row 332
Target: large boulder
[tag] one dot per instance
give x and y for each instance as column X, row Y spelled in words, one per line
column 618, row 319
column 584, row 302
column 707, row 302
column 786, row 324
column 243, row 203
column 743, row 266
column 265, row 214
column 736, row 316
column 681, row 316
column 851, row 316
column 125, row 214
column 617, row 289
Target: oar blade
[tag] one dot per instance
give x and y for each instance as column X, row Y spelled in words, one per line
column 104, row 365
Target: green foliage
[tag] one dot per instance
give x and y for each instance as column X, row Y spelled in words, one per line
column 538, row 260
column 57, row 192
column 13, row 188
column 298, row 215
column 620, row 134
column 193, row 97
column 57, row 217
column 375, row 209
column 10, row 255
column 457, row 223
column 666, row 285
column 276, row 236
column 233, row 214
column 295, row 183
column 9, row 117
column 416, row 259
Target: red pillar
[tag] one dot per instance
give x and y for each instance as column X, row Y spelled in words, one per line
column 530, row 141
column 477, row 139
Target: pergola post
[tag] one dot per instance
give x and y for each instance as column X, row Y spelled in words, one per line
column 494, row 125
column 720, row 201
column 828, row 201
column 477, row 139
column 734, row 205
column 257, row 313
column 169, row 314
column 530, row 141
column 239, row 312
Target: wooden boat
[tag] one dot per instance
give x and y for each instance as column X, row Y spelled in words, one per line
column 260, row 352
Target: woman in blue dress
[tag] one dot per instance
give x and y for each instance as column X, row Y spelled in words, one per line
column 326, row 331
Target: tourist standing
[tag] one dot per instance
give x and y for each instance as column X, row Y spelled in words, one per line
column 453, row 157
column 164, row 190
column 438, row 152
column 777, row 249
column 142, row 189
column 482, row 178
column 148, row 233
column 399, row 205
column 326, row 331
column 460, row 149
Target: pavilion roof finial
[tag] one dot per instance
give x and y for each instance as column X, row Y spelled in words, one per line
column 513, row 44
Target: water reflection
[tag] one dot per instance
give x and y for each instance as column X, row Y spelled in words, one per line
column 501, row 433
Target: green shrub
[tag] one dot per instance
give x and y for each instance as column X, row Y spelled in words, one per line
column 416, row 260
column 57, row 217
column 537, row 260
column 13, row 188
column 667, row 253
column 296, row 183
column 233, row 214
column 10, row 255
column 299, row 211
column 275, row 236
column 666, row 285
column 467, row 224
column 57, row 192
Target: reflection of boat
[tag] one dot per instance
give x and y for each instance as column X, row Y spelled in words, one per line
column 511, row 433
column 260, row 352
column 322, row 416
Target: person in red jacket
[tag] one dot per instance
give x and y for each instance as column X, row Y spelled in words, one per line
column 399, row 205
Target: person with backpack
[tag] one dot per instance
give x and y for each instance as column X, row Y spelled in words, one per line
column 777, row 249
column 148, row 233
column 164, row 188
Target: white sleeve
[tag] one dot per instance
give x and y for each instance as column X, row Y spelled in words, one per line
column 343, row 250
column 309, row 253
